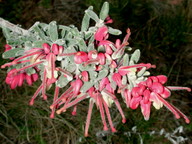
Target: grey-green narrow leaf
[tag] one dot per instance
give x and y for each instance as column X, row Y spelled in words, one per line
column 13, row 53
column 86, row 86
column 85, row 23
column 114, row 31
column 38, row 44
column 102, row 74
column 82, row 45
column 62, row 81
column 126, row 60
column 141, row 72
column 104, row 11
column 135, row 56
column 53, row 33
column 40, row 32
column 92, row 15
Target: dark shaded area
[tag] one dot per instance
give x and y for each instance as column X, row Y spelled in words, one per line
column 162, row 30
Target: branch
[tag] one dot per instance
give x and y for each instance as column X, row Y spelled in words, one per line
column 12, row 27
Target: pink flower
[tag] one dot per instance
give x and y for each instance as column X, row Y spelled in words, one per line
column 85, row 76
column 101, row 34
column 108, row 20
column 55, row 49
column 15, row 79
column 80, row 57
column 153, row 91
column 117, row 78
column 77, row 84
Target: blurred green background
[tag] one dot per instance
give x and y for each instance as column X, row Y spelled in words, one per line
column 161, row 29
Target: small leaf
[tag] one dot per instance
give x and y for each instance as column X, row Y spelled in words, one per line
column 90, row 47
column 40, row 32
column 60, row 42
column 6, row 32
column 88, row 34
column 104, row 11
column 38, row 44
column 62, row 81
column 141, row 72
column 92, row 75
column 114, row 31
column 102, row 74
column 75, row 32
column 86, row 86
column 92, row 15
column 53, row 33
column 101, row 48
column 85, row 23
column 30, row 71
column 135, row 56
column 82, row 45
column 126, row 60
column 91, row 40
column 13, row 53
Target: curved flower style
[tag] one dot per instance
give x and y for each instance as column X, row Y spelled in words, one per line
column 89, row 66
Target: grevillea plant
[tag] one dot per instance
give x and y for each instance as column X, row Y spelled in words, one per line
column 88, row 65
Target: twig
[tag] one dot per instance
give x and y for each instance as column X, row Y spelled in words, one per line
column 2, row 135
column 12, row 27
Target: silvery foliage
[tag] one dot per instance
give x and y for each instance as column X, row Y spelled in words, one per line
column 73, row 40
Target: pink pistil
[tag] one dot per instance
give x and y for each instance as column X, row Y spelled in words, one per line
column 77, row 100
column 35, row 95
column 29, row 66
column 74, row 112
column 178, row 88
column 109, row 116
column 44, row 85
column 170, row 107
column 88, row 117
column 102, row 112
column 61, row 97
column 56, row 93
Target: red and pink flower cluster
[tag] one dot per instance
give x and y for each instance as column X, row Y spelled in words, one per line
column 96, row 75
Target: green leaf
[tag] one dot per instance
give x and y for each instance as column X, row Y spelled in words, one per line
column 90, row 47
column 75, row 32
column 38, row 44
column 88, row 34
column 126, row 60
column 40, row 32
column 85, row 23
column 135, row 56
column 6, row 32
column 114, row 31
column 86, row 86
column 92, row 15
column 30, row 71
column 62, row 81
column 141, row 72
column 104, row 11
column 13, row 53
column 91, row 40
column 92, row 75
column 53, row 33
column 102, row 74
column 82, row 45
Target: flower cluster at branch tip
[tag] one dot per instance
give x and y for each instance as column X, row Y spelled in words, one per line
column 93, row 68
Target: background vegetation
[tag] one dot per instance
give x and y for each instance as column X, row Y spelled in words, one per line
column 161, row 29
